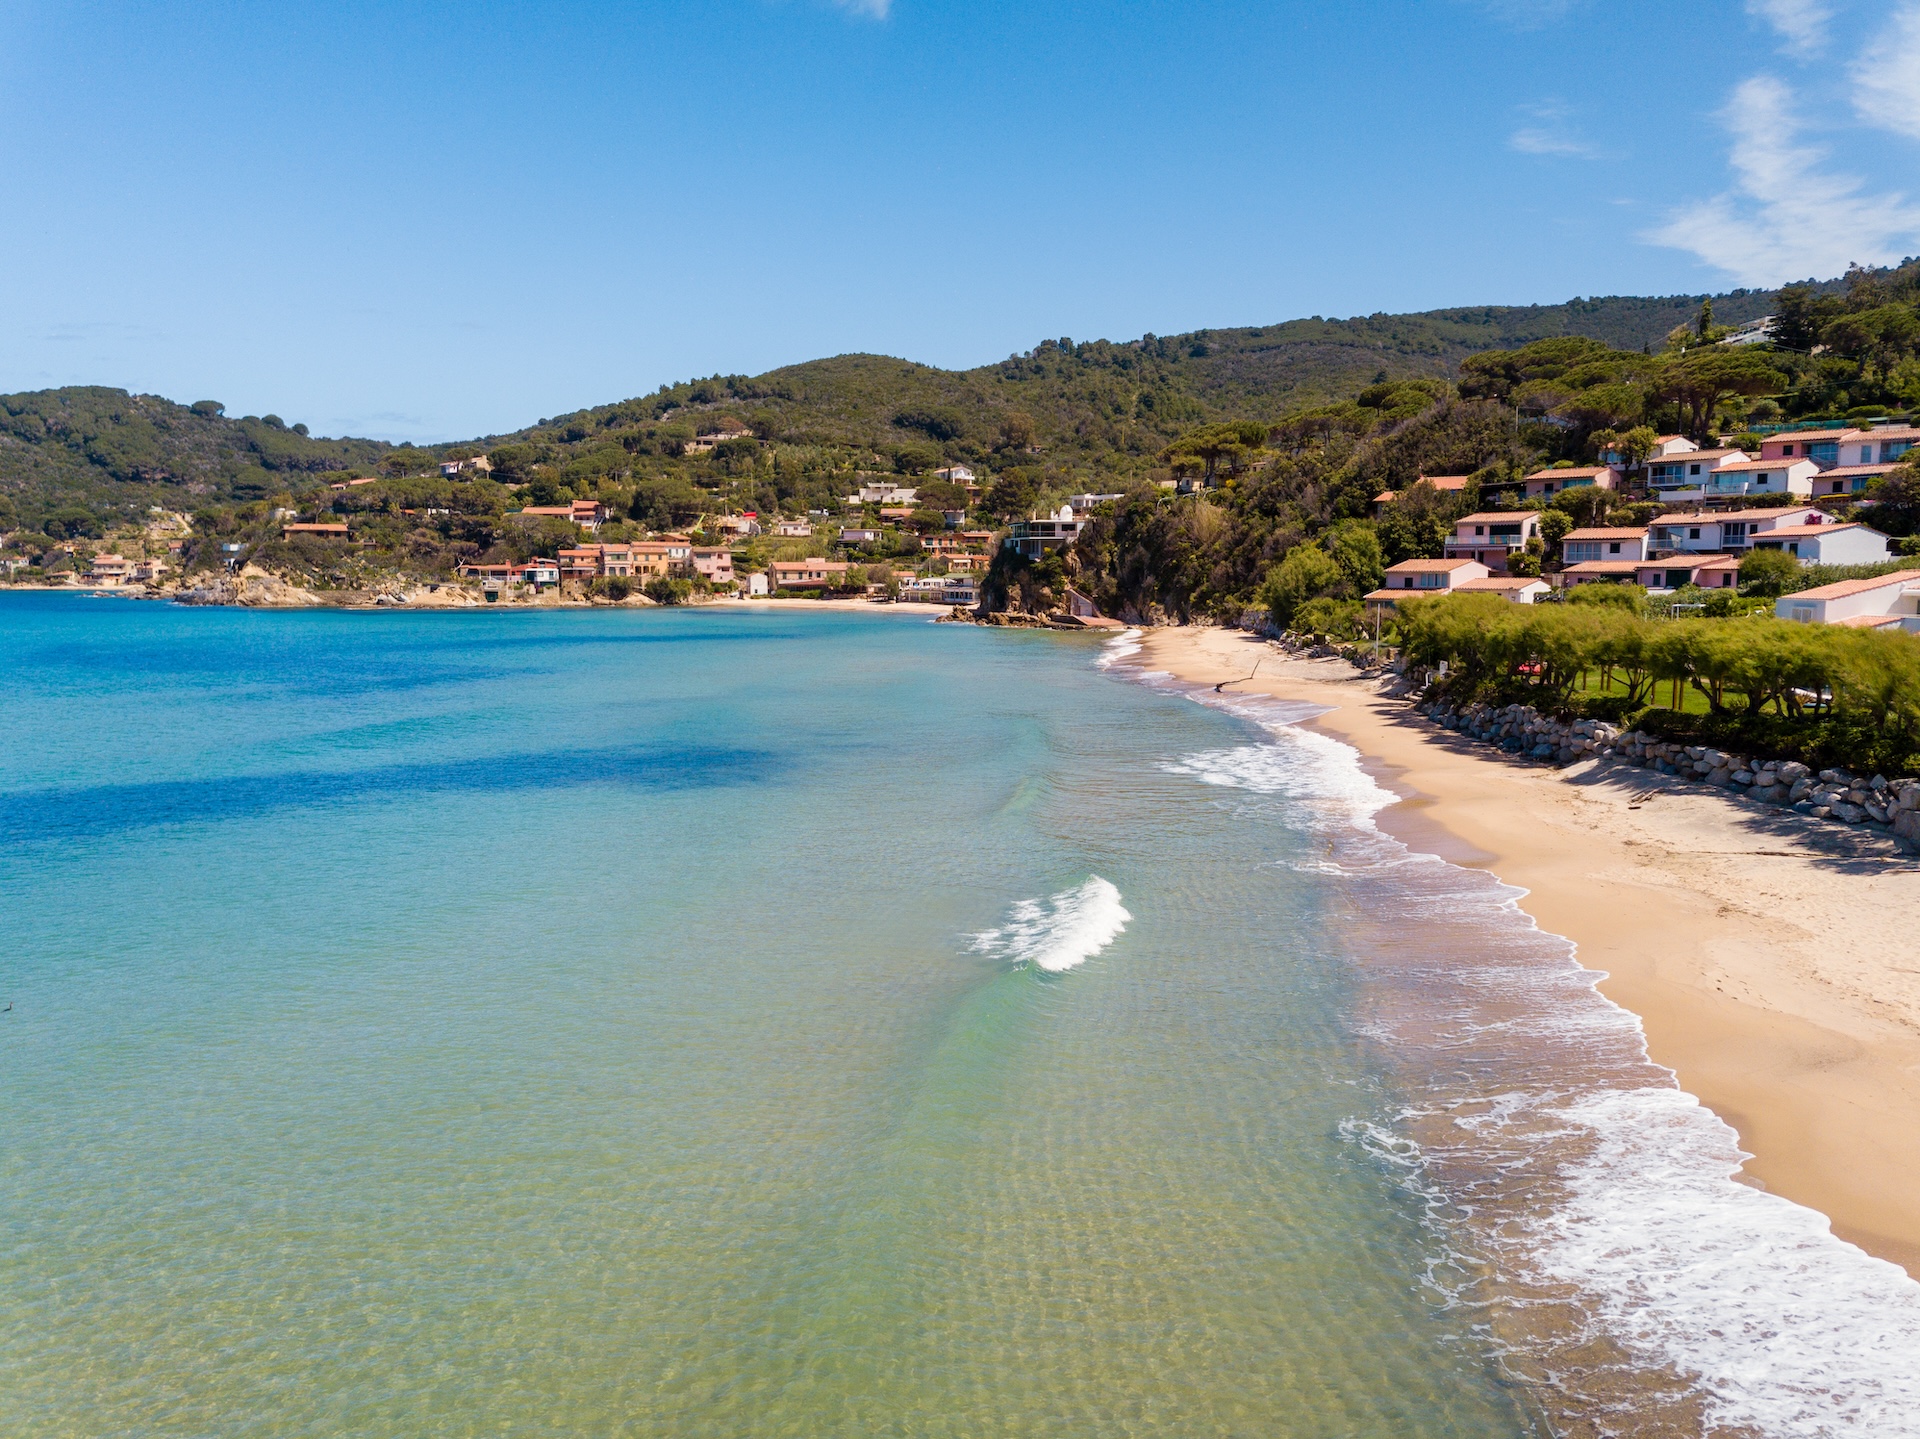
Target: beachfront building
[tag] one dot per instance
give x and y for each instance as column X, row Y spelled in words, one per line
column 1887, row 602
column 1543, row 483
column 1722, row 532
column 1491, row 535
column 1034, row 538
column 109, row 570
column 1828, row 544
column 716, row 565
column 1683, row 476
column 813, row 574
column 1421, row 579
column 1601, row 543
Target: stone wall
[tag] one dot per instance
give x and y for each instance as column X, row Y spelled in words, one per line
column 1833, row 795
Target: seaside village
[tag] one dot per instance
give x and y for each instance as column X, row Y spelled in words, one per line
column 1720, row 505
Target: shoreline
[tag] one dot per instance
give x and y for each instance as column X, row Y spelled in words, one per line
column 1769, row 966
column 466, row 604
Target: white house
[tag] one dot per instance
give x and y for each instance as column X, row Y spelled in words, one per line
column 1683, row 476
column 1782, row 477
column 1491, row 535
column 1889, row 602
column 1082, row 504
column 1520, row 589
column 1702, row 533
column 955, row 474
column 886, row 494
column 1570, row 477
column 1412, row 579
column 1849, row 544
column 1848, row 479
column 793, row 529
column 1664, row 446
column 1604, row 544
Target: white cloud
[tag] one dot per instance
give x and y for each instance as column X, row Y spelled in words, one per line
column 1785, row 219
column 1887, row 78
column 1801, row 23
column 872, row 9
column 1551, row 136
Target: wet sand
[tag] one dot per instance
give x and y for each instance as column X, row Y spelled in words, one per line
column 1773, row 963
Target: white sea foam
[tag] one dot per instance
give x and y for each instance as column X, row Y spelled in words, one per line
column 1126, row 643
column 1061, row 932
column 1612, row 1188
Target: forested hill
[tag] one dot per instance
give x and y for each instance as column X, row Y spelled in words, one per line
column 1099, row 405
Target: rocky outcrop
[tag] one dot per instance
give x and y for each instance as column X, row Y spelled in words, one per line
column 1834, row 795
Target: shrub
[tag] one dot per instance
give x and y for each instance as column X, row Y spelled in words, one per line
column 613, row 587
column 1768, row 572
column 669, row 592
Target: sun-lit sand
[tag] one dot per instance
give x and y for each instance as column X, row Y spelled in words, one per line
column 1773, row 963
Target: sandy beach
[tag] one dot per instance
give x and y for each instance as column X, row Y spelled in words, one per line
column 1771, row 962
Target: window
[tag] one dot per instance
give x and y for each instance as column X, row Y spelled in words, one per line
column 1786, row 449
column 1694, row 533
column 1866, row 454
column 1432, row 582
column 1828, row 450
column 1613, row 547
column 1803, row 613
column 1477, row 529
column 1894, row 449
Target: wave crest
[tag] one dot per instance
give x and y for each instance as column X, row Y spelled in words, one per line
column 1061, row 932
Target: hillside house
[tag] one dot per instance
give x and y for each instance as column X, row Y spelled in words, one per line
column 860, row 537
column 1848, row 479
column 955, row 475
column 1822, row 447
column 1721, row 532
column 1084, row 505
column 886, row 494
column 1542, row 483
column 1783, row 477
column 1034, row 538
column 1598, row 572
column 332, row 531
column 813, row 574
column 1519, row 589
column 793, row 529
column 1491, row 535
column 1445, row 484
column 1828, row 544
column 475, row 465
column 1887, row 602
column 1683, row 475
column 1601, row 543
column 1411, row 579
column 1709, row 572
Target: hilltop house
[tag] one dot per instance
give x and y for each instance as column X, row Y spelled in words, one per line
column 1887, row 602
column 1603, row 544
column 1491, row 535
column 477, row 465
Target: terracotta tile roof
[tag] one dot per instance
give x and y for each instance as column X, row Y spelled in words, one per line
column 1869, row 622
column 1500, row 582
column 1548, row 474
column 1796, row 436
column 1606, row 534
column 1427, row 567
column 1800, row 531
column 1844, row 588
column 1713, row 517
column 1605, row 567
column 1763, row 464
column 1501, row 517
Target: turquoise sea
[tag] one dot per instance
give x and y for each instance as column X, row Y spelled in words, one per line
column 730, row 1023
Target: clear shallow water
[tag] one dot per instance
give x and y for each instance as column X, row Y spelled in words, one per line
column 743, row 1024
column 643, row 1023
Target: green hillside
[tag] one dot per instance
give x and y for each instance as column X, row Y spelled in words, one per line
column 88, row 451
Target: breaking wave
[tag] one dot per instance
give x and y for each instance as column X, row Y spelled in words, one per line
column 1058, row 933
column 1585, row 1211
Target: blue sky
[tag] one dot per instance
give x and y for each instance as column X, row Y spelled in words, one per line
column 429, row 221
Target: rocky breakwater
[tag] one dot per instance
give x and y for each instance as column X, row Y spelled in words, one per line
column 1835, row 795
